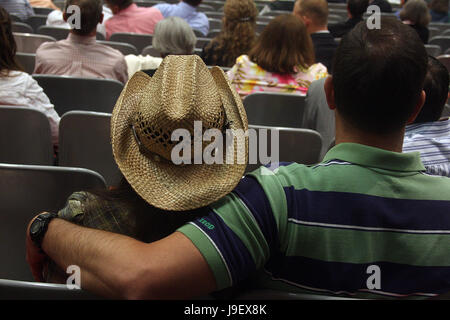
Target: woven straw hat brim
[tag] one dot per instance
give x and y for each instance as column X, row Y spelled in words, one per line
column 162, row 183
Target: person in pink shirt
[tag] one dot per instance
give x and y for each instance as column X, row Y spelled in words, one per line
column 128, row 17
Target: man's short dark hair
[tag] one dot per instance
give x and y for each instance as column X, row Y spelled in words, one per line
column 193, row 3
column 90, row 10
column 357, row 7
column 378, row 75
column 436, row 89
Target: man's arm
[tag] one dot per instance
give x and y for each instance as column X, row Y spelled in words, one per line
column 117, row 266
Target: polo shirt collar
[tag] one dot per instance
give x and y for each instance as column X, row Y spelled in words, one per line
column 375, row 157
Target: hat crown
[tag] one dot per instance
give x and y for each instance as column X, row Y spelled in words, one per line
column 181, row 92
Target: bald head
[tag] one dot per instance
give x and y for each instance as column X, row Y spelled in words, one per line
column 314, row 13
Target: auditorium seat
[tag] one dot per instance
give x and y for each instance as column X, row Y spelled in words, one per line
column 123, row 47
column 36, row 21
column 445, row 60
column 294, row 145
column 275, row 109
column 28, row 43
column 42, row 11
column 74, row 93
column 433, row 49
column 140, row 41
column 27, row 290
column 27, row 61
column 267, row 294
column 25, row 136
column 215, row 23
column 85, row 142
column 26, row 191
column 21, row 27
column 442, row 41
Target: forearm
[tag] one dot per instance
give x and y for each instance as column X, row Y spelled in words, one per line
column 104, row 258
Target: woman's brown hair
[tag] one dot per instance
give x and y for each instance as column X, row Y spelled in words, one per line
column 238, row 32
column 8, row 47
column 283, row 45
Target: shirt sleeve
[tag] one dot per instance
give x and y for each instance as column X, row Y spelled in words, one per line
column 39, row 100
column 121, row 70
column 163, row 8
column 238, row 235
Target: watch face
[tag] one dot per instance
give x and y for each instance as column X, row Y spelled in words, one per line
column 35, row 226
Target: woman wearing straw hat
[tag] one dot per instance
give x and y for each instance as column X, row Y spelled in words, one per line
column 156, row 196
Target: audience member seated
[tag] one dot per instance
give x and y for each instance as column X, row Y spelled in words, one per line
column 439, row 10
column 43, row 4
column 18, row 88
column 428, row 135
column 128, row 17
column 20, row 8
column 415, row 13
column 356, row 10
column 282, row 60
column 80, row 55
column 56, row 19
column 186, row 9
column 384, row 5
column 237, row 35
column 314, row 14
column 367, row 212
column 172, row 35
column 183, row 90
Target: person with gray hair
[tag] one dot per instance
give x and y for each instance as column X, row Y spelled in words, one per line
column 172, row 35
column 416, row 14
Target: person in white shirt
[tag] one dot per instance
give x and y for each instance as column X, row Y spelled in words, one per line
column 56, row 19
column 17, row 88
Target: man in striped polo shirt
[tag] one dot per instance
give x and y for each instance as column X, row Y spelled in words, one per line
column 366, row 222
column 430, row 135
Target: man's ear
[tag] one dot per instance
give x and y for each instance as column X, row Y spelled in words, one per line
column 100, row 21
column 65, row 17
column 418, row 107
column 329, row 92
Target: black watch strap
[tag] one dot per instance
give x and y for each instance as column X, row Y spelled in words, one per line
column 39, row 227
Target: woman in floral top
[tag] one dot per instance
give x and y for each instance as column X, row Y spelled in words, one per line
column 282, row 60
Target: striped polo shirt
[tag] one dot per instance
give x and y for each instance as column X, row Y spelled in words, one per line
column 432, row 140
column 365, row 223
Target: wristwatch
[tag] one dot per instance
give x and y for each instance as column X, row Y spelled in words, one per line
column 39, row 227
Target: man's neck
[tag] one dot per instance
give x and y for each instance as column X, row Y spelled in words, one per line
column 92, row 34
column 347, row 133
column 313, row 29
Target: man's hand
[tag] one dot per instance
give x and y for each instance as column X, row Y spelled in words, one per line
column 35, row 257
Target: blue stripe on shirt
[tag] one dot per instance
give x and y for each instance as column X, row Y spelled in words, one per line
column 342, row 208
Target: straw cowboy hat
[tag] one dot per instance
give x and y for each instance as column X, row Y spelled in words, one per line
column 149, row 110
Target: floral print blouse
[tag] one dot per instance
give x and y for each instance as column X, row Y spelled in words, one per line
column 248, row 77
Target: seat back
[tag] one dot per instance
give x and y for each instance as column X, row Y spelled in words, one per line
column 433, row 49
column 85, row 142
column 27, row 290
column 42, row 10
column 294, row 145
column 442, row 41
column 201, row 42
column 25, row 136
column 215, row 23
column 124, row 48
column 446, row 111
column 36, row 21
column 149, row 50
column 275, row 109
column 28, row 43
column 59, row 33
column 265, row 294
column 140, row 41
column 25, row 191
column 21, row 27
column 445, row 60
column 27, row 61
column 73, row 93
